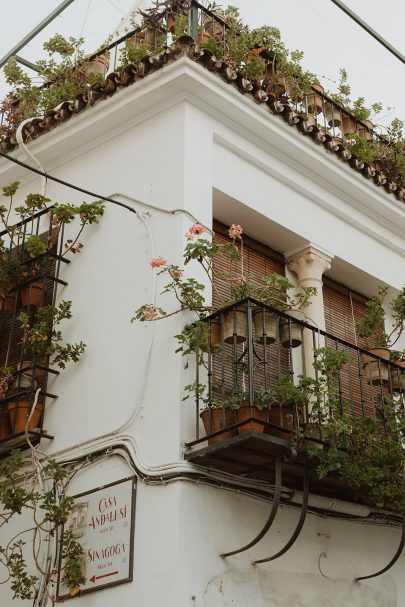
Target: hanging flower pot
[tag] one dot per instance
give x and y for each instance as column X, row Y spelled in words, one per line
column 398, row 377
column 291, row 332
column 7, row 303
column 215, row 334
column 265, row 323
column 18, row 413
column 171, row 22
column 245, row 413
column 220, row 418
column 235, row 325
column 376, row 371
column 314, row 101
column 97, row 65
column 203, row 37
column 367, row 130
column 333, row 114
column 31, row 294
column 349, row 124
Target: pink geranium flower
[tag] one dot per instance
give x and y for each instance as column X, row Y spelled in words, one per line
column 195, row 230
column 235, row 231
column 150, row 314
column 158, row 262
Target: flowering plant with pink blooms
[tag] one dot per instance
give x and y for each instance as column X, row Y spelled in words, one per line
column 188, row 293
column 189, row 296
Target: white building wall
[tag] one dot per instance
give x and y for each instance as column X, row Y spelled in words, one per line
column 181, row 140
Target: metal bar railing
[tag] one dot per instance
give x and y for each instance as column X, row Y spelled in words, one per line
column 36, row 287
column 256, row 372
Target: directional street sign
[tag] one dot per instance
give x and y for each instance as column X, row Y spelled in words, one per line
column 102, row 521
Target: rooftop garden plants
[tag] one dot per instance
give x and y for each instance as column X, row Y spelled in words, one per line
column 257, row 54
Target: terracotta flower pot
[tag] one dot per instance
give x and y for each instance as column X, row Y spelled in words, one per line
column 5, row 427
column 349, row 124
column 375, row 371
column 215, row 338
column 203, row 37
column 281, row 415
column 265, row 324
column 398, row 377
column 220, row 418
column 244, row 413
column 367, row 133
column 18, row 413
column 314, row 101
column 333, row 114
column 31, row 295
column 171, row 22
column 98, row 65
column 235, row 325
column 7, row 303
column 291, row 334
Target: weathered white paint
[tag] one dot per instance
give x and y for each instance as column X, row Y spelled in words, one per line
column 183, row 139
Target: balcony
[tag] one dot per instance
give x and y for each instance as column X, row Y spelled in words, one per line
column 23, row 372
column 272, row 390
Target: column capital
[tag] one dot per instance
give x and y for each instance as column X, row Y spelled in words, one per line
column 310, row 263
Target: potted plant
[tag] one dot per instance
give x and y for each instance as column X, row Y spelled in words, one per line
column 288, row 403
column 398, row 375
column 372, row 329
column 314, row 100
column 246, row 412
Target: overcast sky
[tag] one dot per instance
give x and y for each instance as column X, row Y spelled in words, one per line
column 329, row 39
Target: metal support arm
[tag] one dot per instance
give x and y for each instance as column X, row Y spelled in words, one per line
column 299, row 526
column 393, row 560
column 272, row 515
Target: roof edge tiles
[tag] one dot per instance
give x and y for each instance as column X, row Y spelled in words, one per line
column 185, row 46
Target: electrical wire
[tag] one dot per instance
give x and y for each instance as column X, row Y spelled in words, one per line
column 85, row 18
column 372, row 32
column 67, row 184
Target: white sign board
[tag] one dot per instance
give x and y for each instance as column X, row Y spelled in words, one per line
column 102, row 521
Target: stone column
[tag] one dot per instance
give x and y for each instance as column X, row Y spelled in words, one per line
column 309, row 264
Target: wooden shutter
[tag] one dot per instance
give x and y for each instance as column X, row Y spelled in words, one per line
column 343, row 310
column 259, row 260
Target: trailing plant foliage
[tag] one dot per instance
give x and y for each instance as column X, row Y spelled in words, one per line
column 373, row 326
column 49, row 509
column 63, row 75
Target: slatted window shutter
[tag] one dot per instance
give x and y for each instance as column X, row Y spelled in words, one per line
column 259, row 261
column 343, row 310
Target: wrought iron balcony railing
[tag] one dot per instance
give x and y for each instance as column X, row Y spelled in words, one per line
column 255, row 368
column 24, row 375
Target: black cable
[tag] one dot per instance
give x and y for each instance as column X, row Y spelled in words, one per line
column 369, row 29
column 66, row 183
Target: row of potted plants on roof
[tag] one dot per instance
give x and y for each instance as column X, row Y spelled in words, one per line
column 258, row 54
column 25, row 269
column 307, row 411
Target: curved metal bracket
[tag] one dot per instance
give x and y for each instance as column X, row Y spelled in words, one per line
column 393, row 560
column 299, row 526
column 272, row 515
